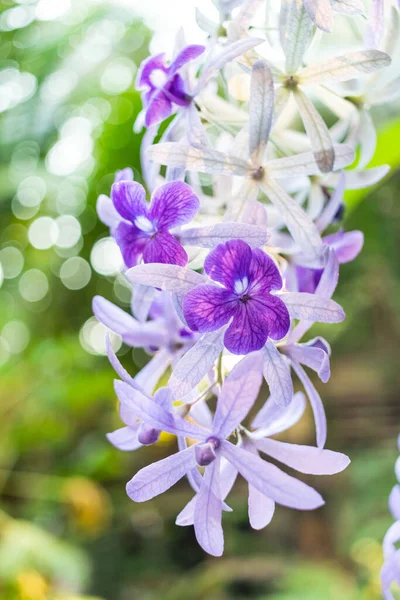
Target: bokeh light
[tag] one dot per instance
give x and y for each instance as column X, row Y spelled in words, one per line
column 33, row 285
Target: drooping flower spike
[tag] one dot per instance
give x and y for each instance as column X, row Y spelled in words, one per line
column 390, row 573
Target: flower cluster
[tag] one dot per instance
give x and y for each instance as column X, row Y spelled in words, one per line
column 228, row 266
column 390, row 572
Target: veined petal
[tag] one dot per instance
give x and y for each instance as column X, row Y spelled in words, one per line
column 273, row 418
column 313, row 357
column 249, row 329
column 238, row 394
column 164, row 248
column 261, row 109
column 261, row 508
column 320, row 12
column 228, row 263
column 271, row 481
column 306, row 459
column 160, row 476
column 166, row 277
column 347, row 244
column 312, row 307
column 305, row 163
column 142, row 299
column 204, row 160
column 185, row 55
column 296, row 31
column 332, row 207
column 131, row 241
column 263, row 273
column 349, row 7
column 301, row 227
column 125, row 439
column 159, row 108
column 343, row 68
column 316, row 404
column 107, row 212
column 277, row 375
column 317, row 131
column 196, row 363
column 148, row 377
column 173, row 204
column 208, row 512
column 133, row 333
column 208, row 307
column 155, row 415
column 275, row 313
column 229, row 53
column 210, row 236
column 129, row 199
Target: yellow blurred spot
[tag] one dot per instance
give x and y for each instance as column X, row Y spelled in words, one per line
column 89, row 504
column 239, row 87
column 31, row 585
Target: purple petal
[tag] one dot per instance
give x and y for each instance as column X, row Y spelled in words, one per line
column 347, row 245
column 306, row 459
column 186, row 516
column 124, row 175
column 196, row 363
column 129, row 199
column 164, row 248
column 135, row 334
column 159, row 108
column 238, row 394
column 271, row 481
column 173, row 204
column 390, row 540
column 106, row 212
column 316, row 404
column 313, row 357
column 208, row 512
column 277, row 375
column 263, row 275
column 273, row 419
column 186, row 55
column 261, row 508
column 131, row 241
column 208, row 308
column 249, row 329
column 276, row 314
column 125, row 439
column 229, row 262
column 160, row 476
column 156, row 416
column 150, row 64
column 119, row 369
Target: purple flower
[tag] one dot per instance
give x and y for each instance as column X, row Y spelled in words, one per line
column 347, row 246
column 144, row 229
column 105, row 207
column 237, row 396
column 305, row 459
column 247, row 277
column 163, row 85
column 164, row 335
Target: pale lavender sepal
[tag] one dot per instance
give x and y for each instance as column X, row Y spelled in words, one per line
column 125, row 439
column 208, row 512
column 277, row 374
column 238, row 394
column 157, row 478
column 271, row 481
column 273, row 419
column 394, row 502
column 316, row 404
column 305, row 459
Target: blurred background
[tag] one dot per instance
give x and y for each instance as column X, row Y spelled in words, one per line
column 67, row 529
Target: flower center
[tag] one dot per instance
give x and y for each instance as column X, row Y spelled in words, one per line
column 144, row 224
column 158, row 78
column 241, row 285
column 205, row 453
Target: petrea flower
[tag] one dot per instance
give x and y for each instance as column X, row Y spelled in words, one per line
column 259, row 172
column 144, row 230
column 246, row 279
column 236, row 399
column 271, row 420
column 164, row 336
column 163, row 86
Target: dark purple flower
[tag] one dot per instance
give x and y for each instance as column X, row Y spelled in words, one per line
column 247, row 277
column 163, row 84
column 347, row 246
column 144, row 230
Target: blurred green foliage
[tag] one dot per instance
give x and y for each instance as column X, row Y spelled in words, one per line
column 66, row 526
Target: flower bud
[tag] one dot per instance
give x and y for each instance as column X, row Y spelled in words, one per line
column 148, row 435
